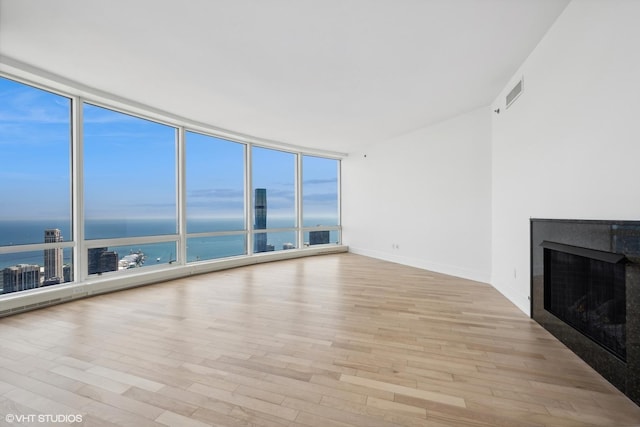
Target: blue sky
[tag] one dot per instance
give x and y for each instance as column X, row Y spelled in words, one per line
column 129, row 166
column 215, row 177
column 35, row 142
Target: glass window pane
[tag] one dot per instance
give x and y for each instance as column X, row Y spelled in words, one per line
column 319, row 191
column 277, row 241
column 273, row 175
column 35, row 148
column 321, row 237
column 126, row 257
column 130, row 177
column 21, row 271
column 205, row 248
column 215, row 184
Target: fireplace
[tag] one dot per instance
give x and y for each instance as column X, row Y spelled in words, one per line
column 585, row 290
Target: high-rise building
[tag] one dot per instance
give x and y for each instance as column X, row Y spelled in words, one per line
column 109, row 261
column 318, row 237
column 67, row 271
column 20, row 278
column 93, row 260
column 53, row 258
column 102, row 260
column 260, row 208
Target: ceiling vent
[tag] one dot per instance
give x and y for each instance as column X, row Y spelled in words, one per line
column 515, row 92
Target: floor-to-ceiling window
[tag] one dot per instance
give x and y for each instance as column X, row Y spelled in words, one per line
column 273, row 177
column 129, row 190
column 215, row 189
column 320, row 200
column 90, row 191
column 35, row 188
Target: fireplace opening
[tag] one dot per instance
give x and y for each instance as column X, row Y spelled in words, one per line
column 585, row 288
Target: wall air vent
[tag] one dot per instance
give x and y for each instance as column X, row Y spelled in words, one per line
column 515, row 92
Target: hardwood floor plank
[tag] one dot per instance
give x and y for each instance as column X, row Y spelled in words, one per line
column 61, row 395
column 214, row 418
column 406, row 391
column 125, row 378
column 120, row 401
column 197, row 399
column 408, row 418
column 176, row 420
column 118, row 416
column 337, row 388
column 318, row 420
column 156, row 373
column 244, row 401
column 454, row 416
column 8, row 406
column 387, row 405
column 336, row 414
column 39, row 404
column 88, row 378
column 160, row 401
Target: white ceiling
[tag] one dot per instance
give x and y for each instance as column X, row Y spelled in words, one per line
column 328, row 74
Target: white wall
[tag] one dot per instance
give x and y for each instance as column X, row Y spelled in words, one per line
column 428, row 193
column 569, row 147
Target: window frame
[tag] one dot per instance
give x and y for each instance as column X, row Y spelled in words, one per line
column 86, row 244
column 79, row 245
column 307, row 229
column 245, row 147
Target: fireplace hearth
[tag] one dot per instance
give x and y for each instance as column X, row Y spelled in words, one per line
column 585, row 290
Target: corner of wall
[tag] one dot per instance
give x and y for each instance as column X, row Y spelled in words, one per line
column 424, row 198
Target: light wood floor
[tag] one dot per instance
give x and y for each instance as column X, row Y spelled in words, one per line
column 331, row 340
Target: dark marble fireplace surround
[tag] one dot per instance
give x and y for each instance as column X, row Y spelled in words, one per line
column 591, row 323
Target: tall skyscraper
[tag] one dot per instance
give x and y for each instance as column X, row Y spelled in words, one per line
column 53, row 258
column 20, row 278
column 260, row 207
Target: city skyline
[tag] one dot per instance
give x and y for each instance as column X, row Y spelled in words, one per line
column 30, row 275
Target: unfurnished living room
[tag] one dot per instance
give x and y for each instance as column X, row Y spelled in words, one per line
column 320, row 213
